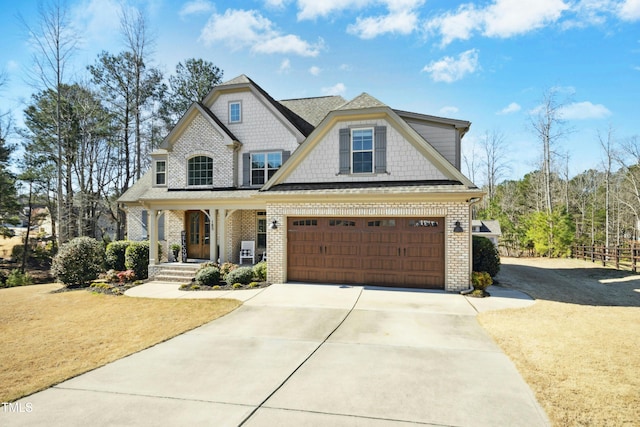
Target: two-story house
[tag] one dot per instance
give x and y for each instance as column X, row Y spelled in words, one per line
column 333, row 191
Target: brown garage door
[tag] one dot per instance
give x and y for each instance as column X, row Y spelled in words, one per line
column 402, row 252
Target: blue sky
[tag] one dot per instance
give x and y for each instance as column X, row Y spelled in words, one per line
column 488, row 62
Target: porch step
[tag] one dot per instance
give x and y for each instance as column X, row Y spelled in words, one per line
column 176, row 272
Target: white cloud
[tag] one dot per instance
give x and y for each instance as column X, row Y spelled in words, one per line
column 502, row 18
column 287, row 44
column 315, row 71
column 629, row 10
column 401, row 22
column 346, row 67
column 511, row 108
column 276, row 3
column 96, row 20
column 285, row 66
column 196, row 7
column 448, row 110
column 312, row 9
column 337, row 89
column 449, row 69
column 12, row 65
column 583, row 111
column 248, row 28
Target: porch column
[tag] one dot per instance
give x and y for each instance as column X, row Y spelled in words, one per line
column 213, row 234
column 153, row 236
column 222, row 216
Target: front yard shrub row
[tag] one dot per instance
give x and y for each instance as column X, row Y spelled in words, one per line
column 242, row 275
column 209, row 276
column 115, row 254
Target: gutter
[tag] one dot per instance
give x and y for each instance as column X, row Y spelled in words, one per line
column 472, row 201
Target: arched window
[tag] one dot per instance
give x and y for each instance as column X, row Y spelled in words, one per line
column 200, row 171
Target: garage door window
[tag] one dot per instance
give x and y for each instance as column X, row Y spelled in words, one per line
column 422, row 223
column 341, row 222
column 305, row 222
column 382, row 223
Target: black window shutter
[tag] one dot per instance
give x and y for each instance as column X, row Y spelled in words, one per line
column 345, row 151
column 246, row 169
column 285, row 156
column 381, row 149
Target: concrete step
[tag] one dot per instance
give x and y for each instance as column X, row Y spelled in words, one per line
column 176, row 272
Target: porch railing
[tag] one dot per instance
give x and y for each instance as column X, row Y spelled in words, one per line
column 626, row 257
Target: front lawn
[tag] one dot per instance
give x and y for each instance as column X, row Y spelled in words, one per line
column 49, row 337
column 577, row 347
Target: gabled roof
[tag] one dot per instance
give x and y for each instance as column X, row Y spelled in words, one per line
column 488, row 226
column 242, row 81
column 313, row 110
column 195, row 108
column 362, row 107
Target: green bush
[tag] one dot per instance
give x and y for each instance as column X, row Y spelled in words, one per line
column 260, row 271
column 115, row 254
column 16, row 278
column 226, row 268
column 208, row 276
column 481, row 280
column 242, row 275
column 78, row 262
column 16, row 252
column 485, row 256
column 136, row 258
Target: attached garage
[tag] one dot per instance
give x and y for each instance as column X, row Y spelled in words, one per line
column 396, row 251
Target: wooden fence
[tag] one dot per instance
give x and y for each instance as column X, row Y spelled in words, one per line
column 621, row 257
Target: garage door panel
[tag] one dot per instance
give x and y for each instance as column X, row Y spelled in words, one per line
column 378, row 251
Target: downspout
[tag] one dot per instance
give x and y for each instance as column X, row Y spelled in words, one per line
column 472, row 201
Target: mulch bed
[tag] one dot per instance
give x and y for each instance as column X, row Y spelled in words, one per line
column 223, row 286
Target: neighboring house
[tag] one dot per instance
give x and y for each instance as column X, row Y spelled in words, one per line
column 335, row 191
column 487, row 228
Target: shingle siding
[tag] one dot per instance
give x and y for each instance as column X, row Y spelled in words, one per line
column 404, row 162
column 441, row 137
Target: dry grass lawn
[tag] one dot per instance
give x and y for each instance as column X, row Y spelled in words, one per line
column 578, row 346
column 47, row 338
column 7, row 244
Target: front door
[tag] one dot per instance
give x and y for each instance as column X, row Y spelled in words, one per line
column 198, row 234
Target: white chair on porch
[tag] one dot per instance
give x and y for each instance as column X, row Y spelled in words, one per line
column 248, row 251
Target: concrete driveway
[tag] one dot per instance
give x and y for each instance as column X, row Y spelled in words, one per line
column 308, row 355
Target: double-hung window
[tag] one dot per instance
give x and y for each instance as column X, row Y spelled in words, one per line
column 200, row 170
column 264, row 165
column 161, row 172
column 235, row 112
column 362, row 150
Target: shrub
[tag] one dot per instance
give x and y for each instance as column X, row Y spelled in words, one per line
column 136, row 258
column 481, row 280
column 16, row 252
column 260, row 271
column 208, row 276
column 126, row 276
column 78, row 261
column 237, row 285
column 485, row 256
column 242, row 275
column 16, row 278
column 226, row 268
column 115, row 254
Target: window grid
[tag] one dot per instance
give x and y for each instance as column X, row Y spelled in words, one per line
column 161, row 172
column 200, row 171
column 362, row 151
column 263, row 166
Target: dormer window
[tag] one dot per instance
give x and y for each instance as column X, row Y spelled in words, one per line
column 160, row 172
column 235, row 112
column 362, row 151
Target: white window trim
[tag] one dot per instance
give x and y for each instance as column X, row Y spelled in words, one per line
column 187, row 171
column 229, row 111
column 373, row 151
column 266, row 163
column 155, row 173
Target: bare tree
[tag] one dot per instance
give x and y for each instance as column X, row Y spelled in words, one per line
column 495, row 161
column 548, row 125
column 54, row 42
column 607, row 146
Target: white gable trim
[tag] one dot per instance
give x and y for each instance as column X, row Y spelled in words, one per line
column 337, row 116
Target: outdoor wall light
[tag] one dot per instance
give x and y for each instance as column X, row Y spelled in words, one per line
column 458, row 227
column 274, row 224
